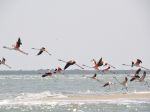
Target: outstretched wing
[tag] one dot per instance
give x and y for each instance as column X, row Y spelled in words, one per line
column 40, row 52
column 106, row 84
column 100, row 63
column 3, row 61
column 106, row 69
column 137, row 71
column 132, row 79
column 94, row 76
column 67, row 65
column 94, row 61
column 143, row 76
column 47, row 74
column 138, row 61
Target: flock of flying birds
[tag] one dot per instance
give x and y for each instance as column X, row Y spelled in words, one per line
column 97, row 66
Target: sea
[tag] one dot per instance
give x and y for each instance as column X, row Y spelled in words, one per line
column 31, row 93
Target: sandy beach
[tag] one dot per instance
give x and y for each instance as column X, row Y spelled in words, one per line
column 124, row 96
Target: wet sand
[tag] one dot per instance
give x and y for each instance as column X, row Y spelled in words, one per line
column 125, row 96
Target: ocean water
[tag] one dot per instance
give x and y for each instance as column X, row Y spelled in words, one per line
column 30, row 93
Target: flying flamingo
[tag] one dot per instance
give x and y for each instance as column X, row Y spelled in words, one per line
column 49, row 73
column 98, row 64
column 69, row 63
column 123, row 83
column 41, row 50
column 16, row 47
column 3, row 61
column 57, row 70
column 136, row 63
column 107, row 69
column 107, row 84
column 142, row 79
column 94, row 77
column 136, row 75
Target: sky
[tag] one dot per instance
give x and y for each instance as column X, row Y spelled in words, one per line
column 117, row 30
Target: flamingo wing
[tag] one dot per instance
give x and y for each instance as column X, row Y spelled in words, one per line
column 137, row 71
column 40, row 52
column 143, row 76
column 67, row 65
column 106, row 84
column 3, row 60
column 139, row 61
column 100, row 63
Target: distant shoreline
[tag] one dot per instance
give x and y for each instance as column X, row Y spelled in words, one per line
column 75, row 71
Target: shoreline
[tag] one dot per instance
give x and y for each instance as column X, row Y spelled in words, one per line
column 128, row 96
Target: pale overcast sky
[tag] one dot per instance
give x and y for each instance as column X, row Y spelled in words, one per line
column 117, row 30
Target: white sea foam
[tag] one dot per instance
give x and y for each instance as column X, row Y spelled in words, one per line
column 67, row 102
column 41, row 95
column 32, row 99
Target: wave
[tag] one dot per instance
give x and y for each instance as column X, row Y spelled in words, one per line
column 41, row 95
column 32, row 99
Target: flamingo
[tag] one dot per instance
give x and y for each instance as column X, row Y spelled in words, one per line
column 123, row 83
column 57, row 70
column 107, row 84
column 49, row 73
column 3, row 61
column 106, row 69
column 98, row 64
column 136, row 63
column 136, row 75
column 95, row 77
column 69, row 63
column 41, row 50
column 16, row 47
column 142, row 79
